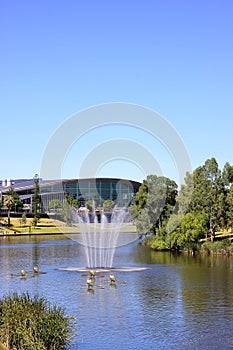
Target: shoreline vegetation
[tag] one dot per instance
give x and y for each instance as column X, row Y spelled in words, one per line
column 197, row 217
column 33, row 323
column 221, row 246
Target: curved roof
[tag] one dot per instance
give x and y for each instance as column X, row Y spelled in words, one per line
column 28, row 184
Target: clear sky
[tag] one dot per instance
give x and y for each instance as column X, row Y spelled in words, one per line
column 60, row 57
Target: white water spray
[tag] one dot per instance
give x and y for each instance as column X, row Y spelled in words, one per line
column 100, row 238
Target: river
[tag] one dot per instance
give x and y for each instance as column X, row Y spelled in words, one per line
column 179, row 302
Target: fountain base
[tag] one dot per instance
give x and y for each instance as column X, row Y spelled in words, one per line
column 103, row 269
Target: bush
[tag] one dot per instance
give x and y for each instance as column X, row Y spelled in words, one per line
column 159, row 244
column 32, row 324
column 218, row 247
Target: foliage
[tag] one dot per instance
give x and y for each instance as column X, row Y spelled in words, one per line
column 144, row 223
column 33, row 324
column 184, row 199
column 67, row 213
column 91, row 205
column 108, row 205
column 72, row 201
column 139, row 201
column 203, row 206
column 17, row 202
column 218, row 247
column 9, row 202
column 23, row 220
column 55, row 204
column 229, row 202
column 209, row 195
column 159, row 244
column 154, row 203
column 192, row 229
column 36, row 201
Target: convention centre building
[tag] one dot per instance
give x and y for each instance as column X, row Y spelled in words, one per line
column 121, row 191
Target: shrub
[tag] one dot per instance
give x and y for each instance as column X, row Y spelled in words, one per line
column 218, row 247
column 32, row 324
column 159, row 244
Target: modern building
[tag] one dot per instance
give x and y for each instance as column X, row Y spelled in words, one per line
column 121, row 191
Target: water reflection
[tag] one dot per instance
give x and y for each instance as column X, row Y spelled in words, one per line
column 183, row 302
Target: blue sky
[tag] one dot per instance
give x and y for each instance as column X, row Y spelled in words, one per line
column 60, row 57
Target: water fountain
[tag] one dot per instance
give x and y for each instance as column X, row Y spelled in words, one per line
column 99, row 239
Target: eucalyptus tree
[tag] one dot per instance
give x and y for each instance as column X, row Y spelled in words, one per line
column 229, row 201
column 139, row 200
column 209, row 195
column 154, row 203
column 227, row 174
column 184, row 199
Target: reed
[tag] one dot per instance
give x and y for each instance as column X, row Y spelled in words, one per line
column 31, row 323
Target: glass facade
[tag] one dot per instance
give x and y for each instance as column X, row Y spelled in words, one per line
column 121, row 191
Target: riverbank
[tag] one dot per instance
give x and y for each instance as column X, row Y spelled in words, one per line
column 222, row 245
column 50, row 227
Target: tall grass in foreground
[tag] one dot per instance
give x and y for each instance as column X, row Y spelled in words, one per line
column 32, row 324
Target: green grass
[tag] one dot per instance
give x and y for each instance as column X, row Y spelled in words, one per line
column 54, row 226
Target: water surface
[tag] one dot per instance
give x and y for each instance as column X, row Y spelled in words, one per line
column 180, row 302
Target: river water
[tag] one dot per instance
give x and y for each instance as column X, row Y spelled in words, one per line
column 179, row 302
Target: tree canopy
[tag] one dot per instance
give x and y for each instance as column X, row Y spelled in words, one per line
column 203, row 206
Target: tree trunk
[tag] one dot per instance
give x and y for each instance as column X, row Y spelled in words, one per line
column 8, row 217
column 212, row 234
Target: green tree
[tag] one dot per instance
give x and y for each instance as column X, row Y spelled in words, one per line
column 144, row 222
column 192, row 229
column 9, row 202
column 227, row 174
column 184, row 199
column 17, row 202
column 23, row 220
column 67, row 213
column 36, row 201
column 229, row 201
column 209, row 195
column 91, row 205
column 108, row 205
column 139, row 200
column 55, row 204
column 72, row 201
column 154, row 203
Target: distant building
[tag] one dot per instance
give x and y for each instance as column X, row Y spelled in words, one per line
column 121, row 191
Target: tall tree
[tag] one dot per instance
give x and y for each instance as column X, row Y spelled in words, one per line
column 184, row 199
column 192, row 228
column 139, row 200
column 36, row 201
column 227, row 174
column 154, row 203
column 229, row 201
column 208, row 196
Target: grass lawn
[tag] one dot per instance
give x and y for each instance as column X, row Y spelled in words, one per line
column 50, row 226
